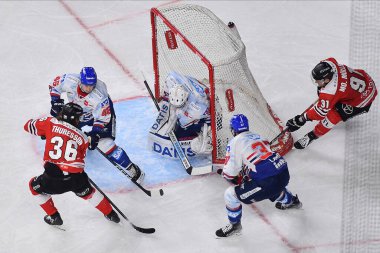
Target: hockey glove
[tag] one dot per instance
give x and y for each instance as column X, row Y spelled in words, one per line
column 93, row 137
column 296, row 123
column 56, row 106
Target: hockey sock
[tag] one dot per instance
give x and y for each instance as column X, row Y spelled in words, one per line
column 99, row 201
column 234, row 215
column 119, row 156
column 48, row 206
column 285, row 197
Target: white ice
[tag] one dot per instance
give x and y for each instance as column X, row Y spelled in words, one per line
column 284, row 40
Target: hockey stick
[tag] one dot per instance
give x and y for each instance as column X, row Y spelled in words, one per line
column 194, row 171
column 150, row 193
column 286, row 128
column 140, row 229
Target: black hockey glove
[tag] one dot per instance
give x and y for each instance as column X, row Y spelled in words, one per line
column 93, row 139
column 56, row 106
column 296, row 123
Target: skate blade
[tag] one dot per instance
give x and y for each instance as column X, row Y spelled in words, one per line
column 59, row 227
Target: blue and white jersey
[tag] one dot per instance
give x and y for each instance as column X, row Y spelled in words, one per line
column 96, row 105
column 250, row 152
column 197, row 105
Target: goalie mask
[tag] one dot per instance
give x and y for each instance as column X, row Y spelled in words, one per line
column 178, row 95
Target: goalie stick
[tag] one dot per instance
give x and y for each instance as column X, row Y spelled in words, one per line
column 140, row 229
column 151, row 193
column 194, row 171
column 286, row 128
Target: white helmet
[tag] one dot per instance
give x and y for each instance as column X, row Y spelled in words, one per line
column 178, row 95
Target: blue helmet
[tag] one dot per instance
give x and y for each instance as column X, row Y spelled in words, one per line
column 88, row 76
column 239, row 123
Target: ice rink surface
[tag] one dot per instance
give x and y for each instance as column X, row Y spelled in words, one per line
column 284, row 41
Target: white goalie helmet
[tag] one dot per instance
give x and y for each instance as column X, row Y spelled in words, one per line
column 178, row 95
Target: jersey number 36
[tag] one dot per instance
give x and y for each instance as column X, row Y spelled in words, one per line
column 68, row 150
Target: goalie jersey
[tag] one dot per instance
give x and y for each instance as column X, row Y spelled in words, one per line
column 197, row 105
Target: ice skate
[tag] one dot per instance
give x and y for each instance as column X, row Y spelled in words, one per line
column 112, row 216
column 136, row 173
column 305, row 141
column 54, row 219
column 295, row 203
column 229, row 230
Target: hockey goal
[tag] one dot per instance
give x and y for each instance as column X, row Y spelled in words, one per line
column 191, row 40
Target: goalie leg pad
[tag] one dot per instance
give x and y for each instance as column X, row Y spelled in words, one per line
column 203, row 143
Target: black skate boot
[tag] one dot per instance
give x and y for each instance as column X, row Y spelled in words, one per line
column 229, row 230
column 54, row 219
column 295, row 203
column 136, row 174
column 112, row 216
column 305, row 141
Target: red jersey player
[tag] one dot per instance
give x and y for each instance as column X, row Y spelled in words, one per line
column 343, row 94
column 65, row 150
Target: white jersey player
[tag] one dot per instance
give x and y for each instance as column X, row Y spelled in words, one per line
column 257, row 172
column 86, row 90
column 185, row 109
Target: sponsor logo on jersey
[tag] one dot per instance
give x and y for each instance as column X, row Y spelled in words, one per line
column 104, row 103
column 169, row 151
column 348, row 109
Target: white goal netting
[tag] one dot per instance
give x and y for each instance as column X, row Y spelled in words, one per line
column 361, row 193
column 192, row 41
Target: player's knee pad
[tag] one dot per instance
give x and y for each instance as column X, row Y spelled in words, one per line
column 231, row 199
column 35, row 186
column 106, row 145
column 119, row 156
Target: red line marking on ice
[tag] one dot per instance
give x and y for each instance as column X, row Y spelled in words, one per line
column 274, row 229
column 130, row 16
column 129, row 98
column 137, row 83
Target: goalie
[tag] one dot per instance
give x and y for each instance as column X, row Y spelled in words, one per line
column 184, row 108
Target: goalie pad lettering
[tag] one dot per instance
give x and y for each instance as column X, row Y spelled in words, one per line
column 164, row 147
column 166, row 119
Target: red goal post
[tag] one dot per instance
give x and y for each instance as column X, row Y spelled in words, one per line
column 192, row 41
